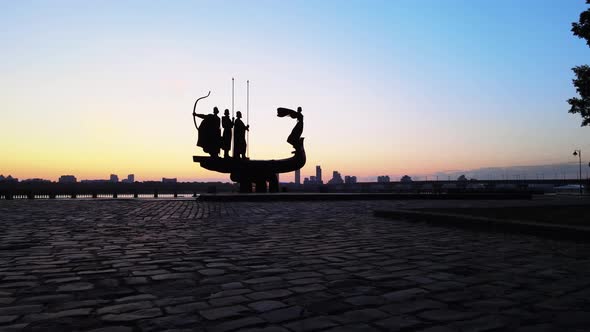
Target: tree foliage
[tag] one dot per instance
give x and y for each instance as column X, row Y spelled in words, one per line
column 581, row 104
column 581, row 29
column 582, row 83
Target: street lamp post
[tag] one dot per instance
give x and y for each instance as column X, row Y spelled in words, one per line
column 579, row 154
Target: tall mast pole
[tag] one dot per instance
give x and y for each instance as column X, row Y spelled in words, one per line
column 248, row 118
column 231, row 143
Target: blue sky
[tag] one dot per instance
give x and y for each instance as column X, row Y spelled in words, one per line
column 387, row 87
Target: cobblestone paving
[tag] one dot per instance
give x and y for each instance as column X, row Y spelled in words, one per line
column 182, row 265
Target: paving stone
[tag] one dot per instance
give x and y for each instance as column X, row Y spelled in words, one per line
column 125, row 307
column 138, row 297
column 226, row 301
column 364, row 300
column 271, row 328
column 75, row 287
column 438, row 329
column 237, row 324
column 59, row 314
column 14, row 327
column 80, row 304
column 307, row 288
column 132, row 316
column 211, row 272
column 90, row 272
column 271, row 294
column 62, row 280
column 360, row 316
column 573, row 318
column 113, row 329
column 20, row 309
column 169, row 276
column 136, row 280
column 273, row 271
column 305, row 281
column 168, row 323
column 300, row 275
column 47, row 298
column 538, row 328
column 266, row 305
column 311, row 324
column 232, row 285
column 398, row 323
column 354, row 327
column 405, row 294
column 21, row 284
column 8, row 319
column 408, row 307
column 485, row 323
column 149, row 272
column 230, row 292
column 186, row 307
column 6, row 300
column 261, row 280
column 284, row 314
column 223, row 312
column 446, row 315
column 174, row 300
column 488, row 305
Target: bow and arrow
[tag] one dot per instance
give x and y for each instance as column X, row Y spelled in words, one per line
column 195, row 109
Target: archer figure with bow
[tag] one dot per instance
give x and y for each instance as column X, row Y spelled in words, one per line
column 209, row 130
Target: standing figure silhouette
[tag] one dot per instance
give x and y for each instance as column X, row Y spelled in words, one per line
column 295, row 136
column 227, row 125
column 240, row 137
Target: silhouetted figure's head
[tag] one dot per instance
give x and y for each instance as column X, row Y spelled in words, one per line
column 215, row 110
column 239, row 114
column 299, row 110
column 226, row 112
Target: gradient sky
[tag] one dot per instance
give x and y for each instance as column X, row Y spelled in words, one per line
column 394, row 87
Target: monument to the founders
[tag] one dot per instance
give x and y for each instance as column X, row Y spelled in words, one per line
column 262, row 173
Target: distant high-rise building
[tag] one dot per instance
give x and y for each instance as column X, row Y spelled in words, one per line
column 130, row 179
column 171, row 180
column 298, row 176
column 318, row 174
column 114, row 178
column 67, row 179
column 383, row 179
column 336, row 178
column 350, row 179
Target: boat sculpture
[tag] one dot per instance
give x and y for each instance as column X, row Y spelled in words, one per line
column 261, row 173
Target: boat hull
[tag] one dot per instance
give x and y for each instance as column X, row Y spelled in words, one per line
column 248, row 172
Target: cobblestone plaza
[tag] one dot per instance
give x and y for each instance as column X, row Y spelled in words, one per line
column 184, row 265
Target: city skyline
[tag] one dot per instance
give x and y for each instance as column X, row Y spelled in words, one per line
column 531, row 172
column 387, row 88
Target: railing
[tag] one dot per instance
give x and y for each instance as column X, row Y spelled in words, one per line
column 143, row 190
column 24, row 190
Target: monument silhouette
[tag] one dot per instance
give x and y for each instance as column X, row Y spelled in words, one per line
column 261, row 173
